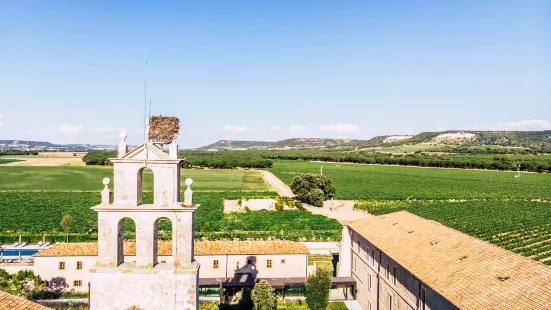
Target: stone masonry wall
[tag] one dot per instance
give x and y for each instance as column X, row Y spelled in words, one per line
column 116, row 291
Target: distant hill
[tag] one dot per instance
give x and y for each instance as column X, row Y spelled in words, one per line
column 294, row 143
column 526, row 139
column 47, row 146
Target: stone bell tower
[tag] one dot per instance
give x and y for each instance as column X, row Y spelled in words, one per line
column 143, row 281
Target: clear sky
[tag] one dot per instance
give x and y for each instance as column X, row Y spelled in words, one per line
column 72, row 71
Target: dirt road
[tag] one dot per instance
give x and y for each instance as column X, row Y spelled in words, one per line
column 276, row 184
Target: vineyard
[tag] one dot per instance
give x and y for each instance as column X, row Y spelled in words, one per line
column 521, row 226
column 34, row 213
column 89, row 179
column 398, row 183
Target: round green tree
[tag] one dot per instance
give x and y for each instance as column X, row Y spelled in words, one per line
column 263, row 296
column 317, row 288
column 313, row 188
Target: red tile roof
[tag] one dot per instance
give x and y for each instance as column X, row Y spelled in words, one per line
column 201, row 248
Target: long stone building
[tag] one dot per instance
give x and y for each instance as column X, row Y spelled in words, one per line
column 402, row 261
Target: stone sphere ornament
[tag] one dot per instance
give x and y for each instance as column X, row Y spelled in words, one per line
column 189, row 182
column 106, row 181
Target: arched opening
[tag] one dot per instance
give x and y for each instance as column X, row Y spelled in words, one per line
column 162, row 242
column 146, row 186
column 126, row 234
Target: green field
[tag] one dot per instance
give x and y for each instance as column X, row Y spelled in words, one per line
column 34, row 199
column 521, row 226
column 59, row 178
column 398, row 182
column 41, row 212
column 8, row 160
column 513, row 213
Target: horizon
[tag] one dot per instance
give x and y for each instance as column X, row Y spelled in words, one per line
column 249, row 71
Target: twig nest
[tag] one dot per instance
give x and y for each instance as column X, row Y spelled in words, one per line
column 163, row 129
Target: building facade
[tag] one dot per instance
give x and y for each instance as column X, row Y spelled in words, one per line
column 402, row 261
column 67, row 265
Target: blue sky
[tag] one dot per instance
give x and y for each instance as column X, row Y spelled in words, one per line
column 72, row 71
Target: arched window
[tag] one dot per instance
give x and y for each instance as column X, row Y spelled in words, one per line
column 126, row 234
column 162, row 243
column 146, row 186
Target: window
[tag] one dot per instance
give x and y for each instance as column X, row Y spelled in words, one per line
column 215, row 264
column 354, row 264
column 394, row 275
column 269, row 263
column 359, row 245
column 79, row 265
column 61, row 265
column 237, row 265
column 369, row 305
column 283, row 261
column 423, row 299
column 163, row 262
column 389, row 302
column 249, row 261
column 387, row 271
column 373, row 256
column 369, row 282
column 77, row 283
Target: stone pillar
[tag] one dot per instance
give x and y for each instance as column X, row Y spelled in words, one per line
column 345, row 254
column 108, row 239
column 182, row 238
column 145, row 235
column 173, row 150
column 167, row 189
column 122, row 147
column 127, row 183
column 188, row 194
column 105, row 192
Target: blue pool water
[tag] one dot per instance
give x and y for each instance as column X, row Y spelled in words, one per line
column 15, row 253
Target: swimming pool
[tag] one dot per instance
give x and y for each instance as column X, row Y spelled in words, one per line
column 14, row 253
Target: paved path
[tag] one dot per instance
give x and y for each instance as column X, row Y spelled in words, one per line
column 352, row 305
column 341, row 210
column 276, row 184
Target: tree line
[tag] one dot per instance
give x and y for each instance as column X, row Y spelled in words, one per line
column 264, row 159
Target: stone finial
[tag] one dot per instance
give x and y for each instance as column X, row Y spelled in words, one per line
column 123, row 146
column 173, row 150
column 188, row 194
column 105, row 192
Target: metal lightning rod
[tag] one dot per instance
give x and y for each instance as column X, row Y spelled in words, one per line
column 145, row 103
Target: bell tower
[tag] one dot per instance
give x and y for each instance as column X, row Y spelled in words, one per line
column 143, row 281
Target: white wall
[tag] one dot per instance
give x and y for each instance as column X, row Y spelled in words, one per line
column 48, row 268
column 295, row 266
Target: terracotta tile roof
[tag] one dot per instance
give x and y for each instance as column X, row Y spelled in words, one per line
column 11, row 302
column 201, row 248
column 462, row 269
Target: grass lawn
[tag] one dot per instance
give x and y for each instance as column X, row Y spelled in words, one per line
column 398, row 182
column 89, row 179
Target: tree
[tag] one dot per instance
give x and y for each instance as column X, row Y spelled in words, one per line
column 245, row 302
column 263, row 296
column 317, row 287
column 25, row 284
column 313, row 188
column 66, row 223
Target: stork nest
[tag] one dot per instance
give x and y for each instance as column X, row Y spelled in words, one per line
column 163, row 129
